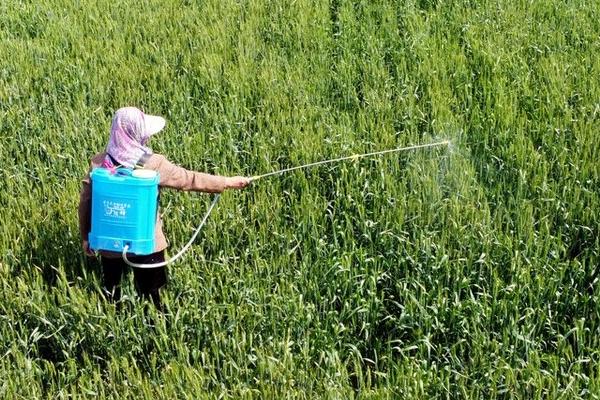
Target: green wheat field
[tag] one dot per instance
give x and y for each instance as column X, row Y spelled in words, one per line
column 461, row 271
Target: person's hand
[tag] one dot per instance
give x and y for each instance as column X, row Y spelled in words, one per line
column 86, row 249
column 237, row 182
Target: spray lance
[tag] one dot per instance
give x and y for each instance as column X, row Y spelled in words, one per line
column 142, row 243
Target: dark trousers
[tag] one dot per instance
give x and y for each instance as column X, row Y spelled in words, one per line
column 148, row 281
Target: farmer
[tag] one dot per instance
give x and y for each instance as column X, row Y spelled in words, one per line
column 129, row 134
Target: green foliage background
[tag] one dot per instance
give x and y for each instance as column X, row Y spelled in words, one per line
column 468, row 272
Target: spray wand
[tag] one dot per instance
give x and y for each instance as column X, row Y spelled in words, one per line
column 279, row 172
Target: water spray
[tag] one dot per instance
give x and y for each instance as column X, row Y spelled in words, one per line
column 274, row 173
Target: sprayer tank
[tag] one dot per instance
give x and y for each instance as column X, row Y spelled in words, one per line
column 124, row 207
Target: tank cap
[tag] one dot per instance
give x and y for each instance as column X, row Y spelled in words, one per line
column 144, row 173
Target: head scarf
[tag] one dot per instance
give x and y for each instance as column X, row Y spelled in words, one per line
column 129, row 133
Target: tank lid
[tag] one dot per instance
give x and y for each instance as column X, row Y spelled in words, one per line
column 144, row 173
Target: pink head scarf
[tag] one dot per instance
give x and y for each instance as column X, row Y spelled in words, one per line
column 129, row 133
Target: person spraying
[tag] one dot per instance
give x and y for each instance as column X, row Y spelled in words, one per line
column 127, row 149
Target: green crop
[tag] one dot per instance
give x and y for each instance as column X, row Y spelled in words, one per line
column 468, row 272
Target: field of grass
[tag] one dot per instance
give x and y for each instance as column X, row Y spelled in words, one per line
column 461, row 272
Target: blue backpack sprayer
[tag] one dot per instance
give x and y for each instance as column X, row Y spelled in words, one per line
column 125, row 205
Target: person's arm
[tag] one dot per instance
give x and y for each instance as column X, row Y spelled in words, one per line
column 176, row 177
column 85, row 222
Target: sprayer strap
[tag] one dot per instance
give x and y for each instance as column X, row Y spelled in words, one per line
column 139, row 164
column 143, row 160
